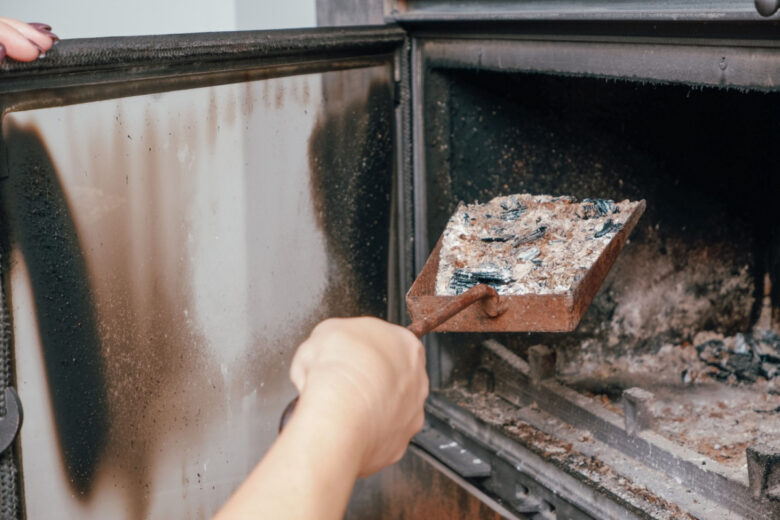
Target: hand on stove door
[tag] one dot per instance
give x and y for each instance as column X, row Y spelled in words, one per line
column 24, row 41
column 362, row 385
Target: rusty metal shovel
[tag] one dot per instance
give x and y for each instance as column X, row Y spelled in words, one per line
column 491, row 306
column 555, row 312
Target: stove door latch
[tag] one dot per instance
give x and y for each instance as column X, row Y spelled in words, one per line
column 12, row 420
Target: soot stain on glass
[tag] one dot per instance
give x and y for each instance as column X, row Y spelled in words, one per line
column 351, row 162
column 44, row 230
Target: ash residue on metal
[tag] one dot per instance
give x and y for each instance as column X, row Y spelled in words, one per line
column 43, row 229
column 709, row 409
column 505, row 418
column 351, row 158
column 698, row 156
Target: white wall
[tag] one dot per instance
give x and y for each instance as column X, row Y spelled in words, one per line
column 95, row 18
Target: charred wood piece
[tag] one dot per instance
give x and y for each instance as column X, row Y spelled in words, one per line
column 610, row 226
column 464, row 279
column 512, row 210
column 751, row 356
column 531, row 237
column 596, row 208
column 498, row 238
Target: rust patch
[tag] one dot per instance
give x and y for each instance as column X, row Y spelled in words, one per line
column 278, row 95
column 249, row 100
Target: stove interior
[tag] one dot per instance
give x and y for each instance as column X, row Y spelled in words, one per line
column 690, row 312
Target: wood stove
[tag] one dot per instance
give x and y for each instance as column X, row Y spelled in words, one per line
column 664, row 402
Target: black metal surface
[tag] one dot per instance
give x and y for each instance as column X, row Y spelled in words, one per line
column 656, row 10
column 448, row 450
column 519, row 478
column 10, row 497
column 718, row 63
column 90, row 69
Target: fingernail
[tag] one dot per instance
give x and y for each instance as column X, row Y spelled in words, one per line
column 40, row 26
column 41, row 52
column 54, row 37
column 2, row 52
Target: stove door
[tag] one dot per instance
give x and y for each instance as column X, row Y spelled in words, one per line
column 178, row 213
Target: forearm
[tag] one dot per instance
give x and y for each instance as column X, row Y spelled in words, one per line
column 362, row 385
column 309, row 472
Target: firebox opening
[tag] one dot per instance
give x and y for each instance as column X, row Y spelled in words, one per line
column 688, row 314
column 702, row 158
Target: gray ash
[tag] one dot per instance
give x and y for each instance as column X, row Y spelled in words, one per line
column 528, row 255
column 536, row 243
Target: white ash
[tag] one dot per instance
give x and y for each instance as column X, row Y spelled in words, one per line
column 694, row 404
column 522, row 244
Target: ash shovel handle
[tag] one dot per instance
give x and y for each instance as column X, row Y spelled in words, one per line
column 492, row 307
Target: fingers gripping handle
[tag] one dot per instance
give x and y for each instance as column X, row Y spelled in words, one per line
column 492, row 306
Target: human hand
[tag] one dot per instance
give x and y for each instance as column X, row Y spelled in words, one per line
column 368, row 376
column 24, row 42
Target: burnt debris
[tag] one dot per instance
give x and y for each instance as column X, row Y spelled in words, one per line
column 596, row 208
column 746, row 356
column 609, row 227
column 513, row 209
column 492, row 275
column 531, row 237
column 497, row 238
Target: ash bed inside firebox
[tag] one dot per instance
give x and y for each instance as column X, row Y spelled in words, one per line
column 691, row 309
